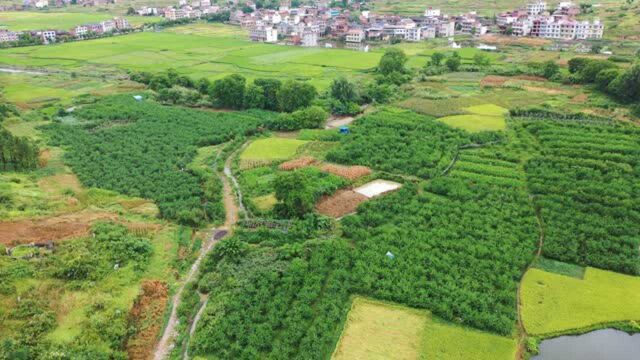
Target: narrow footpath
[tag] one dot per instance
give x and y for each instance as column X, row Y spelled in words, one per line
column 166, row 343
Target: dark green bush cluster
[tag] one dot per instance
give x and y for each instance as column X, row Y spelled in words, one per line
column 277, row 304
column 587, row 183
column 460, row 246
column 399, row 141
column 144, row 149
column 17, row 153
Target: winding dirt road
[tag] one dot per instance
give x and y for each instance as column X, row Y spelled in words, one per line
column 166, row 343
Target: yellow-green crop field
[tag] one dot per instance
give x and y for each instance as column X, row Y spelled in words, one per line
column 378, row 330
column 554, row 303
column 30, row 91
column 272, row 149
column 24, row 20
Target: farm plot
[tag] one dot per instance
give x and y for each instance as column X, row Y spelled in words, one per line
column 555, row 303
column 377, row 330
column 399, row 141
column 587, row 185
column 147, row 153
column 447, row 237
column 377, row 188
column 265, row 151
column 25, row 20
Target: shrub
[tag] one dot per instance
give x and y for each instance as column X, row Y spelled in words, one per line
column 309, row 118
column 605, row 77
column 294, row 95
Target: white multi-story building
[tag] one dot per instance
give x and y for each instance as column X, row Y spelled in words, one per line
column 536, row 7
column 355, row 36
column 431, row 12
column 108, row 25
column 80, row 31
column 121, row 23
column 48, row 36
column 413, row 34
column 309, row 38
column 264, row 34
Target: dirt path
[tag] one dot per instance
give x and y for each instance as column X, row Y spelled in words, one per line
column 165, row 345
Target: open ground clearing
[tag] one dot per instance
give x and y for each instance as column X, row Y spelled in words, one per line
column 342, row 203
column 377, row 330
column 556, row 303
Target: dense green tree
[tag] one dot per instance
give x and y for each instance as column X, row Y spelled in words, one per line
column 294, row 95
column 577, row 64
column 292, row 189
column 453, row 62
column 270, row 88
column 550, row 69
column 254, row 97
column 626, row 86
column 605, row 77
column 393, row 61
column 481, row 59
column 228, row 92
column 436, row 59
column 17, row 153
column 343, row 90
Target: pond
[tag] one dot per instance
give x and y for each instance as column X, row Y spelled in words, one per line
column 607, row 344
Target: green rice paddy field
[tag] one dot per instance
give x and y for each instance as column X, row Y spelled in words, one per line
column 199, row 51
column 24, row 20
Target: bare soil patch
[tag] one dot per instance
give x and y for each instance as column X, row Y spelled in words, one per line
column 298, row 163
column 347, row 172
column 54, row 229
column 493, row 80
column 545, row 90
column 336, row 122
column 342, row 203
column 531, row 78
column 146, row 317
column 580, row 99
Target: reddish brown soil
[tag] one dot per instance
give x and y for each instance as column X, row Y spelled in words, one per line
column 49, row 229
column 146, row 318
column 297, row 163
column 531, row 78
column 341, row 203
column 347, row 172
column 493, row 80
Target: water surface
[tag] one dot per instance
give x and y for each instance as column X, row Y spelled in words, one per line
column 607, row 344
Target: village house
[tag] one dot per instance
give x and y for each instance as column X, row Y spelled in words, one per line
column 8, row 36
column 355, row 36
column 264, row 34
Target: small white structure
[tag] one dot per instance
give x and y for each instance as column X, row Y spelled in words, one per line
column 377, row 188
column 390, row 255
column 137, row 97
column 486, row 47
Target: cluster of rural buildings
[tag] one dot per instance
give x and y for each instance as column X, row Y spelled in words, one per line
column 541, row 21
column 117, row 24
column 306, row 25
column 42, row 4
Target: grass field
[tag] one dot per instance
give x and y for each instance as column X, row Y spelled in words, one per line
column 487, row 117
column 31, row 91
column 555, row 303
column 24, row 20
column 377, row 330
column 200, row 50
column 271, row 149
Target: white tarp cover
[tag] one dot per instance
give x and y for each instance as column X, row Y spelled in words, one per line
column 377, row 187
